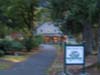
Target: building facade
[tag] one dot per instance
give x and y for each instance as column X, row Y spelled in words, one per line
column 50, row 32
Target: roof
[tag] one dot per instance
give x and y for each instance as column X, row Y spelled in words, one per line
column 51, row 34
column 49, row 28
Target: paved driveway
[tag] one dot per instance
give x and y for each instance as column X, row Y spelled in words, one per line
column 36, row 65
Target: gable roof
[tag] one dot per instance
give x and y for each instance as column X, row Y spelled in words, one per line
column 48, row 28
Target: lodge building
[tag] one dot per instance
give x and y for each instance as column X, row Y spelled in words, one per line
column 51, row 33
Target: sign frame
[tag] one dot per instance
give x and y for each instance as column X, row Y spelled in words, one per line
column 65, row 54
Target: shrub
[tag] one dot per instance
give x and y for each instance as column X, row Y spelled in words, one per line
column 15, row 45
column 38, row 40
column 3, row 45
column 28, row 43
column 7, row 45
column 98, row 66
column 2, row 53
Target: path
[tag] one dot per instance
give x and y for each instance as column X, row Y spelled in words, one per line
column 35, row 65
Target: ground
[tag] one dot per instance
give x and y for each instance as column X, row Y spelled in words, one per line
column 48, row 61
column 57, row 67
column 37, row 64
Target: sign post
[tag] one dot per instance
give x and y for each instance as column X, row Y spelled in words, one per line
column 74, row 55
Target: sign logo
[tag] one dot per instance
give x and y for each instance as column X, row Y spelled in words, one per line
column 74, row 55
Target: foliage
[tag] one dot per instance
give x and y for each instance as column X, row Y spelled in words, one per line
column 77, row 16
column 74, row 13
column 28, row 43
column 98, row 66
column 42, row 15
column 57, row 8
column 18, row 14
column 11, row 45
column 38, row 40
column 5, row 44
column 15, row 45
column 32, row 42
column 2, row 53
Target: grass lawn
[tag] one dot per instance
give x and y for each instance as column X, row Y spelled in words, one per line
column 5, row 65
column 10, row 60
column 14, row 58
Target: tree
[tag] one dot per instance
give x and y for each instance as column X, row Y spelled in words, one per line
column 87, row 14
column 77, row 13
column 20, row 13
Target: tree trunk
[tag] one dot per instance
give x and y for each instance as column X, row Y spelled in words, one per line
column 99, row 45
column 88, row 37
